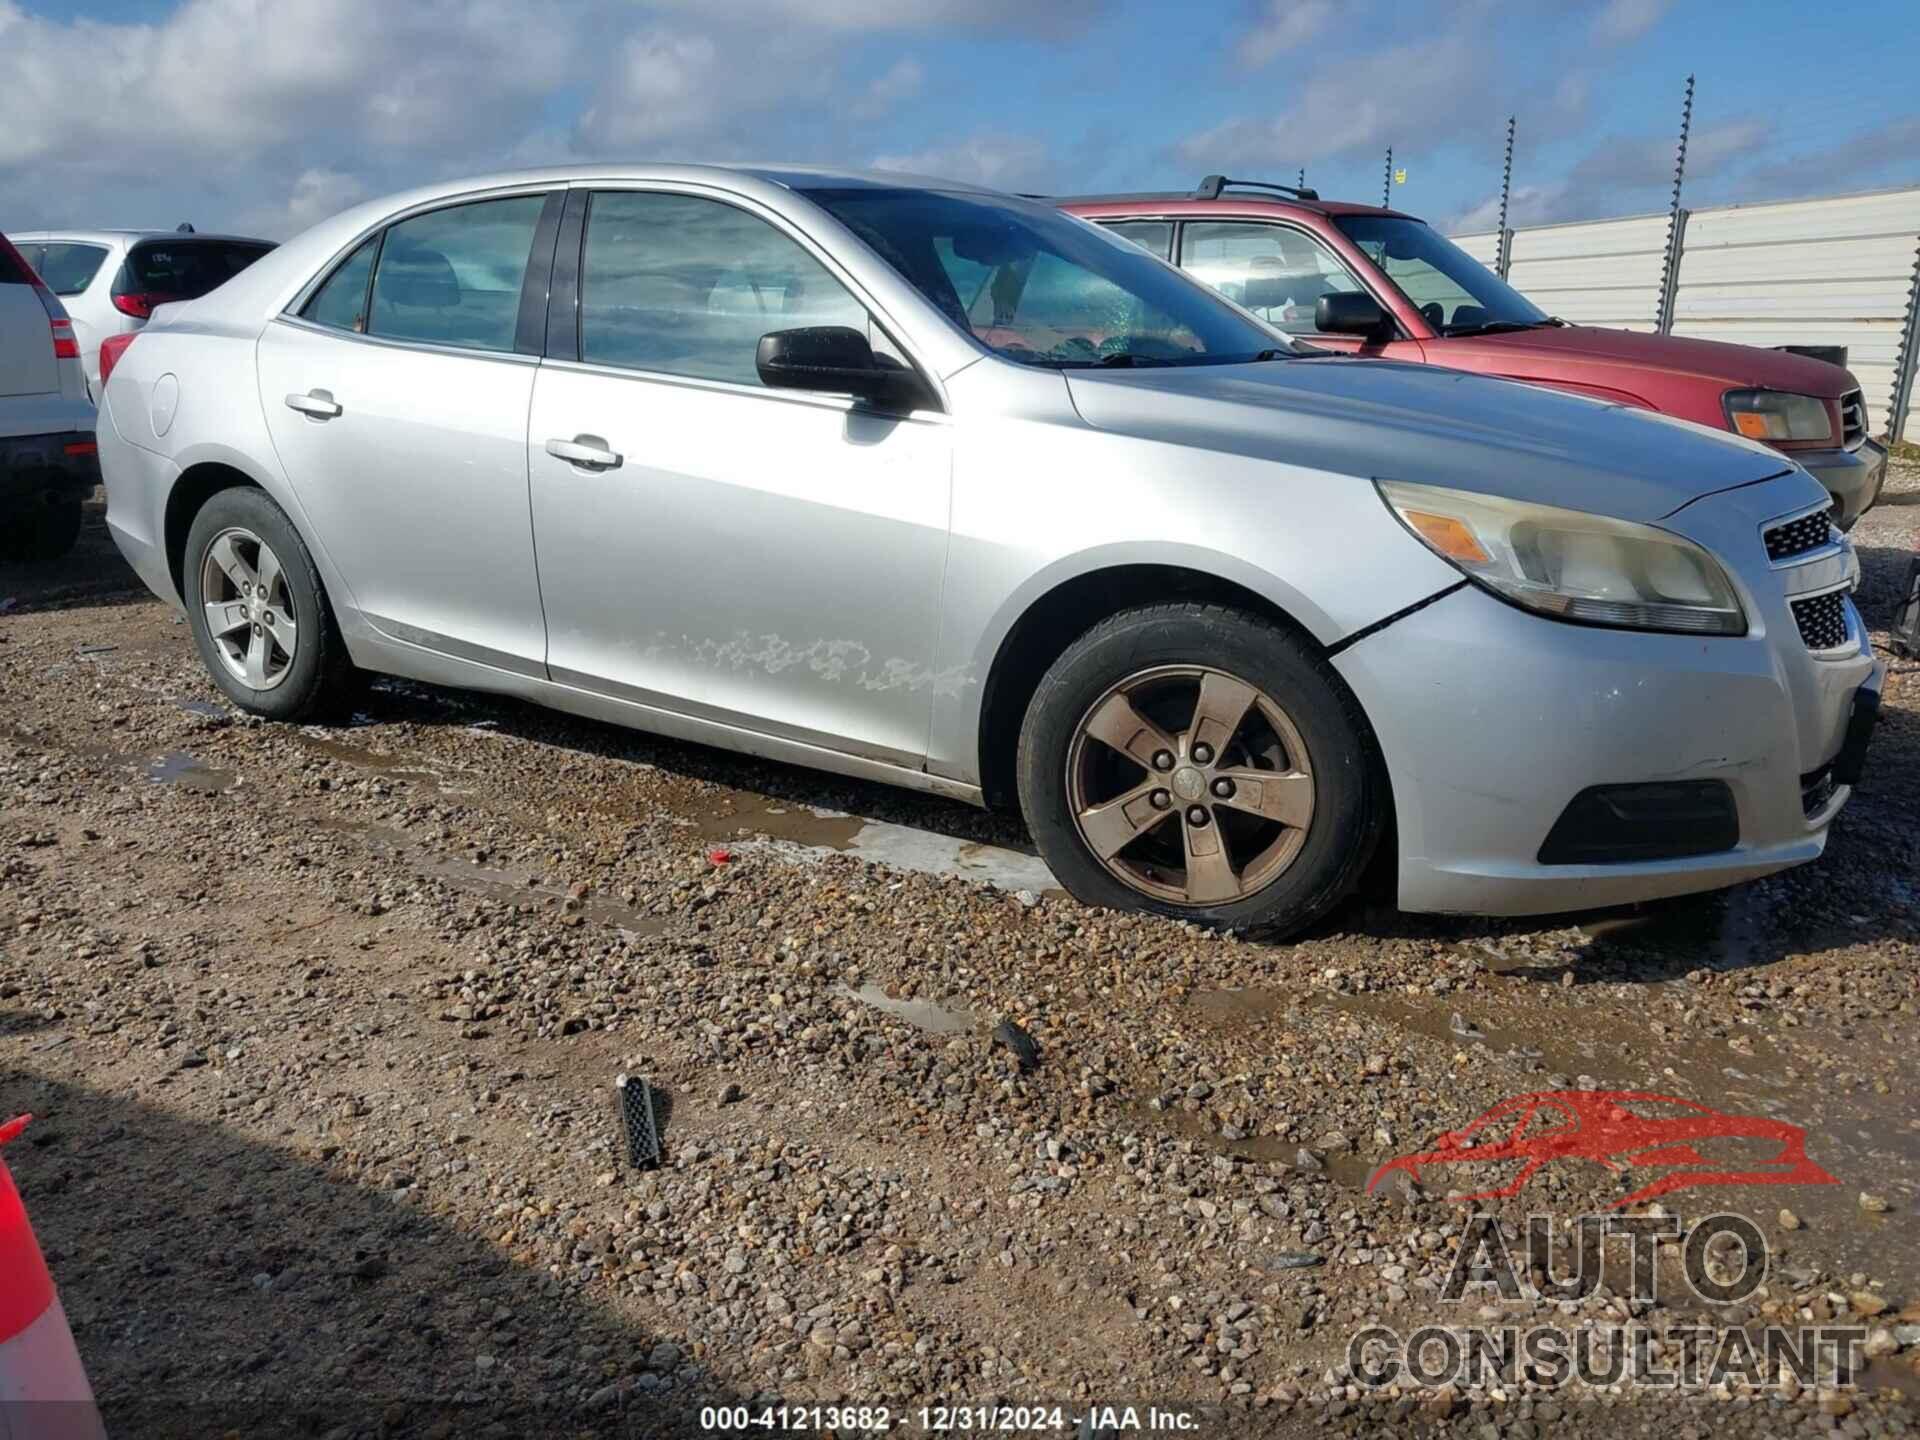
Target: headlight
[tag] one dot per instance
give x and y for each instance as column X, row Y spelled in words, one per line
column 1776, row 415
column 1572, row 565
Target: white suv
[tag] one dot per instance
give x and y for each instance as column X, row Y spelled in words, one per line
column 48, row 459
column 111, row 280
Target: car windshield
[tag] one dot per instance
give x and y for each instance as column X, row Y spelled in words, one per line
column 188, row 269
column 1042, row 288
column 69, row 268
column 1454, row 292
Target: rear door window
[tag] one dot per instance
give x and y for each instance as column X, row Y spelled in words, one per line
column 67, row 267
column 453, row 276
column 1155, row 236
column 341, row 302
column 186, row 269
column 1276, row 271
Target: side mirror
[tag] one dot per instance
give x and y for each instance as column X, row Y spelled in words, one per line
column 1351, row 312
column 835, row 360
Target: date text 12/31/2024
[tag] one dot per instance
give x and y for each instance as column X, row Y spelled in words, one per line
column 1093, row 1421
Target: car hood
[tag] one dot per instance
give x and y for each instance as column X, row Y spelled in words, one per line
column 1381, row 419
column 1542, row 354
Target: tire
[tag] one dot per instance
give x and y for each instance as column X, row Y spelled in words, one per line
column 315, row 681
column 1307, row 798
column 44, row 528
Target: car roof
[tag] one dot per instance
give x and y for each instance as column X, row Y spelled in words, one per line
column 114, row 237
column 1184, row 203
column 789, row 177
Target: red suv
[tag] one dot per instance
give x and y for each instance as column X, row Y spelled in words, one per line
column 1375, row 282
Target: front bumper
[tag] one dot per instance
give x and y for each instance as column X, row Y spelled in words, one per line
column 1492, row 720
column 62, row 465
column 1853, row 477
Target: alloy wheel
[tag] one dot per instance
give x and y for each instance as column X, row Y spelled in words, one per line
column 1190, row 785
column 249, row 609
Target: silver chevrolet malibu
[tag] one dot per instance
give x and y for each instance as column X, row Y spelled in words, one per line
column 933, row 485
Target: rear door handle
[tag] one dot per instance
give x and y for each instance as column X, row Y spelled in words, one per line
column 315, row 404
column 589, row 452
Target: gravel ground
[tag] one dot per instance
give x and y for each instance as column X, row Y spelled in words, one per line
column 321, row 1028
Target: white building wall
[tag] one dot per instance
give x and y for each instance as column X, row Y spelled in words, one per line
column 1831, row 271
column 1806, row 272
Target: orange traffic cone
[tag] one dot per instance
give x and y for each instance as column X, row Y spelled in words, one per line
column 43, row 1389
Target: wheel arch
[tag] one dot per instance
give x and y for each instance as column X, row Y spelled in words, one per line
column 1047, row 623
column 204, row 473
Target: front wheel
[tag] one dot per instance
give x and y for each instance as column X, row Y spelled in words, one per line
column 258, row 613
column 1204, row 763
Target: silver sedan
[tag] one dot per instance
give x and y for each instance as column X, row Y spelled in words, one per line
column 937, row 486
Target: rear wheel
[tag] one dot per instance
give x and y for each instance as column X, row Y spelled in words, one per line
column 258, row 612
column 43, row 528
column 1204, row 763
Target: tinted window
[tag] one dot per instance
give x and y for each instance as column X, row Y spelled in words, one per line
column 186, row 269
column 1277, row 272
column 67, row 268
column 342, row 301
column 1041, row 287
column 1454, row 292
column 12, row 271
column 452, row 277
column 685, row 286
column 1153, row 236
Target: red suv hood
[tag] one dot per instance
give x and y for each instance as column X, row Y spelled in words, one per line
column 1543, row 354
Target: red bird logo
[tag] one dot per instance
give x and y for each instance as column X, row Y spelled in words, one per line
column 1618, row 1129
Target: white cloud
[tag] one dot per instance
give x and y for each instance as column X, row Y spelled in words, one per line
column 666, row 81
column 902, row 81
column 1046, row 17
column 1396, row 96
column 1647, row 161
column 1622, row 20
column 223, row 78
column 1528, row 205
column 1007, row 162
column 1280, row 26
column 314, row 196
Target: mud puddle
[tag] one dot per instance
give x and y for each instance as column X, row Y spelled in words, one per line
column 361, row 758
column 921, row 1013
column 500, row 885
column 188, row 772
column 1727, row 931
column 816, row 829
column 1344, row 1168
column 1866, row 1141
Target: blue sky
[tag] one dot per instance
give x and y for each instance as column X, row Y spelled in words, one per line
column 268, row 116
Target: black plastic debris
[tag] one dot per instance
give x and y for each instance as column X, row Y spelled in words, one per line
column 637, row 1115
column 1016, row 1040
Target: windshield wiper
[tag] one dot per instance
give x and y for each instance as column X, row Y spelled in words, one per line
column 1497, row 327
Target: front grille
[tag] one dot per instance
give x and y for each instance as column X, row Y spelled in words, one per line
column 1853, row 418
column 1796, row 537
column 1822, row 620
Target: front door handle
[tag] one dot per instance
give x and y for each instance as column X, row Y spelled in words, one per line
column 589, row 452
column 315, row 404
